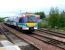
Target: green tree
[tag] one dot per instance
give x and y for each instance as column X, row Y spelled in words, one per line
column 53, row 17
column 42, row 14
column 1, row 19
column 61, row 22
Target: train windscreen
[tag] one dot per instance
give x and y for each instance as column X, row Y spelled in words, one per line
column 31, row 19
column 27, row 19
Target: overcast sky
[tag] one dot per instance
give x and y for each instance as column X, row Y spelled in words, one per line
column 13, row 7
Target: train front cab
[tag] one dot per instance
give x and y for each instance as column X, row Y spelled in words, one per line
column 28, row 23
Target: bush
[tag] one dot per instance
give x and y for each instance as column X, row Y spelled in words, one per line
column 42, row 25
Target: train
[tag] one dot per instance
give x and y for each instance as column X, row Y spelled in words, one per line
column 27, row 21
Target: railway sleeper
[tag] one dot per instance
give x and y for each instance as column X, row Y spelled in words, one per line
column 54, row 42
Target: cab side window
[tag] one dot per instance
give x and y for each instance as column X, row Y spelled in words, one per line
column 20, row 20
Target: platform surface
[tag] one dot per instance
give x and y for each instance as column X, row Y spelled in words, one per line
column 6, row 45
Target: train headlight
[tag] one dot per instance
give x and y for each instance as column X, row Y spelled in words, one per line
column 25, row 28
column 35, row 27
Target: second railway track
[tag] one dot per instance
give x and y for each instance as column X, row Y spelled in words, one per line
column 58, row 34
column 51, row 41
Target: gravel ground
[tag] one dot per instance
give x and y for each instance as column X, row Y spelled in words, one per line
column 2, row 37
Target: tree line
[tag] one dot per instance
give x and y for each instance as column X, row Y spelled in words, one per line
column 56, row 19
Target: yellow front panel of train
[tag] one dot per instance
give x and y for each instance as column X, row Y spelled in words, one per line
column 31, row 24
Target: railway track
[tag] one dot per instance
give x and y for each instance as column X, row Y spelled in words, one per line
column 62, row 35
column 42, row 42
column 50, row 36
column 48, row 40
column 17, row 41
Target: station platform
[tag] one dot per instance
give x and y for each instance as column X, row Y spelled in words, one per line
column 6, row 45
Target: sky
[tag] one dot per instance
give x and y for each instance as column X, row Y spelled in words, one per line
column 14, row 7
